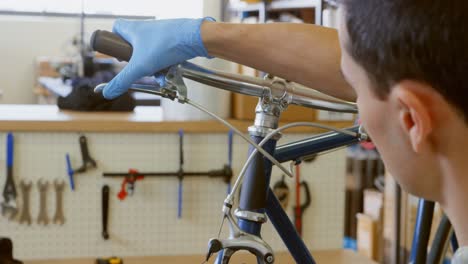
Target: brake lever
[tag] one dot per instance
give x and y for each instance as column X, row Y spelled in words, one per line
column 175, row 82
column 144, row 88
column 174, row 87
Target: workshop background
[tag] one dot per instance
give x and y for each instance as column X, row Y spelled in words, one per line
column 353, row 200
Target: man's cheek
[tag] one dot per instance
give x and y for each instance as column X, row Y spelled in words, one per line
column 366, row 119
column 362, row 113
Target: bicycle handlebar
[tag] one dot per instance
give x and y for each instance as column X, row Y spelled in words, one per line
column 113, row 45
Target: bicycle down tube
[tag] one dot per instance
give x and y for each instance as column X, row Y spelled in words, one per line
column 292, row 152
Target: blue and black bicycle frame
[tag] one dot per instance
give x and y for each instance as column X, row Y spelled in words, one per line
column 257, row 196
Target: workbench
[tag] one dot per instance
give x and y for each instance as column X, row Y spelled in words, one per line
column 326, row 257
column 144, row 119
column 146, row 224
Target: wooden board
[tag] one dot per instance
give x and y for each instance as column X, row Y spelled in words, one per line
column 327, row 257
column 42, row 118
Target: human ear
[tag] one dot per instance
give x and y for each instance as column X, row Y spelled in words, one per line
column 414, row 112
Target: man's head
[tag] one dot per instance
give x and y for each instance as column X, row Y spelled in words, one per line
column 407, row 61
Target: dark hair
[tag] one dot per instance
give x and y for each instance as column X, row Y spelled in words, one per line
column 422, row 40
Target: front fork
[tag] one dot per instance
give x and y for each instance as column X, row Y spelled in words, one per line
column 256, row 198
column 254, row 192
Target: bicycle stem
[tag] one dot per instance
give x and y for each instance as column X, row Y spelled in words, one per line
column 269, row 87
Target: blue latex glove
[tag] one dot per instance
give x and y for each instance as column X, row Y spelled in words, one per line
column 157, row 44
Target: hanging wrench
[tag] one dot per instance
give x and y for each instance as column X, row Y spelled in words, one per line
column 88, row 162
column 9, row 207
column 42, row 218
column 59, row 218
column 25, row 216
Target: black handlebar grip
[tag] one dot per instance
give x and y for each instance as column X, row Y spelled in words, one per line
column 111, row 44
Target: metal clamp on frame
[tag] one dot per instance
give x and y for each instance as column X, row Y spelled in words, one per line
column 271, row 104
column 251, row 216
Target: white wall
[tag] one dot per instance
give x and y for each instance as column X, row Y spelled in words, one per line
column 25, row 38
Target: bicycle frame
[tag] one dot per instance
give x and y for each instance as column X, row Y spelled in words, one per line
column 256, row 197
column 251, row 196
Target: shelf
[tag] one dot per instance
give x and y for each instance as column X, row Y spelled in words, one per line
column 278, row 5
column 145, row 119
column 275, row 5
column 332, row 3
column 246, row 7
column 293, row 4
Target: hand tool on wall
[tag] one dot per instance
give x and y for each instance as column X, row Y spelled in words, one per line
column 281, row 190
column 105, row 211
column 128, row 184
column 225, row 173
column 42, row 218
column 59, row 217
column 25, row 215
column 9, row 206
column 70, row 172
column 181, row 173
column 6, row 252
column 133, row 175
column 112, row 260
column 88, row 162
column 300, row 207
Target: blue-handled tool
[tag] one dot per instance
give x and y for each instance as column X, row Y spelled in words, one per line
column 179, row 202
column 10, row 142
column 181, row 173
column 9, row 207
column 70, row 172
column 88, row 162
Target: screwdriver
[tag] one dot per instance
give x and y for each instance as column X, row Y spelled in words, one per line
column 112, row 260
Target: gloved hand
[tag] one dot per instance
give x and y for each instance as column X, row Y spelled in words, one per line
column 157, row 44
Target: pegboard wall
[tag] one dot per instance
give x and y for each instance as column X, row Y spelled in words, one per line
column 146, row 223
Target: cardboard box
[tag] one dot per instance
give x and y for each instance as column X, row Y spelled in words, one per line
column 389, row 247
column 373, row 203
column 355, row 173
column 243, row 108
column 44, row 68
column 373, row 207
column 409, row 208
column 368, row 238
